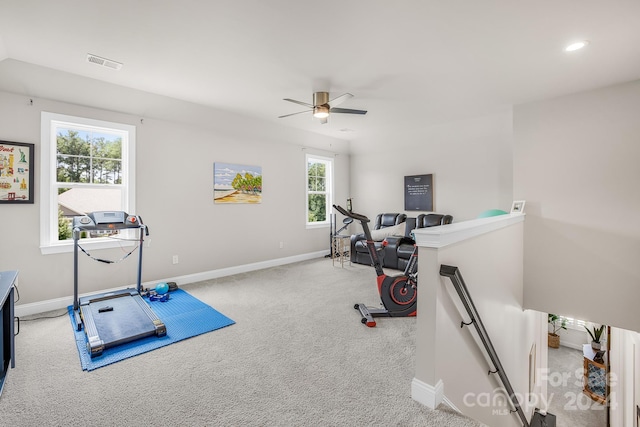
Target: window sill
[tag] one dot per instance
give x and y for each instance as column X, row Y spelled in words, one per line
column 67, row 247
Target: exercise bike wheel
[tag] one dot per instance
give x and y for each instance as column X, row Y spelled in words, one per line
column 399, row 296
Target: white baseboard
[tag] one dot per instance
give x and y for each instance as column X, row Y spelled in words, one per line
column 430, row 396
column 64, row 302
column 43, row 306
column 450, row 404
column 230, row 271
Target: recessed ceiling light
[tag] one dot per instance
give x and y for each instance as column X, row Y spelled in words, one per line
column 576, row 46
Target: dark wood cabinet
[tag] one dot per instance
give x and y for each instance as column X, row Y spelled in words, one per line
column 7, row 349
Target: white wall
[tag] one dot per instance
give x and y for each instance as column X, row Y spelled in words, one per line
column 576, row 164
column 624, row 379
column 470, row 161
column 174, row 196
column 573, row 337
column 491, row 265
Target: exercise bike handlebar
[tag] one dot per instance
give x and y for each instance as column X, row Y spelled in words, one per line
column 353, row 215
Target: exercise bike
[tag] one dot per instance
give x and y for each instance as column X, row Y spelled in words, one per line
column 398, row 294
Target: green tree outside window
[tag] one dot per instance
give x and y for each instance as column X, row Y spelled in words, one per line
column 318, row 197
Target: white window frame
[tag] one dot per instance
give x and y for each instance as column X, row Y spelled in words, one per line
column 329, row 190
column 576, row 324
column 49, row 243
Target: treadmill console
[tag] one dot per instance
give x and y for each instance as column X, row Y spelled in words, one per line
column 106, row 220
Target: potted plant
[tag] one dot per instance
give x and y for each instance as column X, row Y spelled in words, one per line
column 595, row 334
column 557, row 323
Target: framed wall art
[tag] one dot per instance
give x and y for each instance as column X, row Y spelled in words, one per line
column 234, row 183
column 418, row 193
column 517, row 206
column 16, row 172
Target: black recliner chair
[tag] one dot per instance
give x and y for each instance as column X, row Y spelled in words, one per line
column 404, row 248
column 359, row 250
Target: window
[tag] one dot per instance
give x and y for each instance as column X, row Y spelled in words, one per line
column 86, row 166
column 576, row 323
column 319, row 189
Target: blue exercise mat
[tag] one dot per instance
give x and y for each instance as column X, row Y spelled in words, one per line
column 184, row 316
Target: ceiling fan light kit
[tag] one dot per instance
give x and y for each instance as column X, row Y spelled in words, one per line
column 321, row 98
column 321, row 111
column 322, row 107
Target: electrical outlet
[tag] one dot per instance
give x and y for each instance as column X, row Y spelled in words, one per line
column 175, row 259
column 281, row 245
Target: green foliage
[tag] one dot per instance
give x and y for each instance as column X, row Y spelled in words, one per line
column 595, row 333
column 317, row 180
column 317, row 186
column 64, row 227
column 557, row 323
column 248, row 183
column 317, row 207
column 85, row 159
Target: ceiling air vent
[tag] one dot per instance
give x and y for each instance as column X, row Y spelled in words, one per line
column 94, row 59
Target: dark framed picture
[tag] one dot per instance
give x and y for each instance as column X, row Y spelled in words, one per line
column 418, row 193
column 16, row 172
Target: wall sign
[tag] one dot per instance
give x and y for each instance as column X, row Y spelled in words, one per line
column 16, row 172
column 418, row 193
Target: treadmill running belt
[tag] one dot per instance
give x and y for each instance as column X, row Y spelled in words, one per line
column 120, row 320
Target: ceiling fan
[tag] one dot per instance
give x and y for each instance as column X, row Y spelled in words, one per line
column 322, row 106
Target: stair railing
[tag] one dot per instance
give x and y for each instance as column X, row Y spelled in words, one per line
column 453, row 273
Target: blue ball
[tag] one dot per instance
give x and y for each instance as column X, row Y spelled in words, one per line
column 162, row 288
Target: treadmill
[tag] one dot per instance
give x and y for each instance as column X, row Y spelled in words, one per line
column 112, row 318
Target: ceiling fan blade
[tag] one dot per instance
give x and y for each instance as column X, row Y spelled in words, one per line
column 299, row 102
column 347, row 111
column 293, row 114
column 340, row 99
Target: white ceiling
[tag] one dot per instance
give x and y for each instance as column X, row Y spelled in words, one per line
column 410, row 63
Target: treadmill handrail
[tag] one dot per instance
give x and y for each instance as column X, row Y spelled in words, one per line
column 92, row 224
column 77, row 228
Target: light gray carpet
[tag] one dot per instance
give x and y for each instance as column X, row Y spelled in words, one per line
column 567, row 401
column 297, row 356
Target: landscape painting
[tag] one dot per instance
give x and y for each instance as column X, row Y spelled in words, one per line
column 234, row 183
